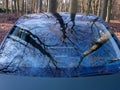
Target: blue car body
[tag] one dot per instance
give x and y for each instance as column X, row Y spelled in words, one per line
column 34, row 46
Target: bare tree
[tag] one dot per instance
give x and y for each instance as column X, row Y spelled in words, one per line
column 96, row 6
column 104, row 9
column 18, row 7
column 15, row 5
column 40, row 5
column 52, row 8
column 7, row 3
column 110, row 2
column 89, row 7
column 73, row 10
column 99, row 8
column 22, row 11
column 11, row 5
column 82, row 6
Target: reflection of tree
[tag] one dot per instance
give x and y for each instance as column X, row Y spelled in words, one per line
column 101, row 41
column 73, row 10
column 5, row 68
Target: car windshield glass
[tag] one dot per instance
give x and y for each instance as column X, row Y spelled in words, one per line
column 26, row 36
column 21, row 33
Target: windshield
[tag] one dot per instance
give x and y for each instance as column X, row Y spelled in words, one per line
column 21, row 33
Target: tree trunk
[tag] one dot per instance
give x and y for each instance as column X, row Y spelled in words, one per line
column 31, row 6
column 93, row 7
column 110, row 2
column 7, row 1
column 99, row 8
column 11, row 5
column 22, row 12
column 15, row 6
column 60, row 5
column 52, row 6
column 26, row 11
column 96, row 6
column 104, row 9
column 89, row 7
column 82, row 7
column 18, row 7
column 73, row 6
column 3, row 4
column 73, row 10
column 40, row 5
